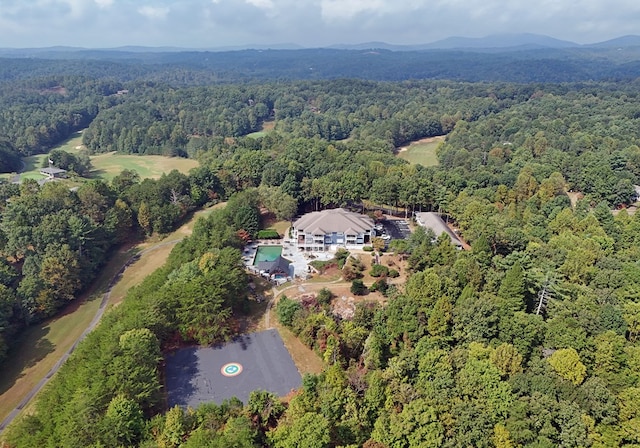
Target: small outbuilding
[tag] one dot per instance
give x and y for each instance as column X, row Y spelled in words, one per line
column 53, row 173
column 279, row 266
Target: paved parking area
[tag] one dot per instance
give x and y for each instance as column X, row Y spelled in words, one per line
column 257, row 361
column 397, row 229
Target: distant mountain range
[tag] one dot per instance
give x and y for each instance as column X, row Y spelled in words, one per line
column 513, row 58
column 500, row 42
column 524, row 41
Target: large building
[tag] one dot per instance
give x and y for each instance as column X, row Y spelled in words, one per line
column 330, row 229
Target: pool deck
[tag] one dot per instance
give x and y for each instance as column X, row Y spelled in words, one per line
column 300, row 260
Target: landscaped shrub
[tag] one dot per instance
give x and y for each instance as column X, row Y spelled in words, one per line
column 353, row 269
column 324, row 296
column 378, row 270
column 358, row 288
column 286, row 310
column 367, row 249
column 268, row 234
column 380, row 285
column 341, row 257
column 393, row 273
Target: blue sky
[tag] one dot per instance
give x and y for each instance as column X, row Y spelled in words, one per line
column 310, row 23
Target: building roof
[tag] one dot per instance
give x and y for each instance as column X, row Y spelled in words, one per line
column 52, row 171
column 334, row 220
column 280, row 264
column 434, row 222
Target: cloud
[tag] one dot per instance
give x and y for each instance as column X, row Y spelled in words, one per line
column 261, row 4
column 154, row 12
column 104, row 3
column 209, row 23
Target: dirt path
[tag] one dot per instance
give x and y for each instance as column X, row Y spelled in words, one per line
column 300, row 287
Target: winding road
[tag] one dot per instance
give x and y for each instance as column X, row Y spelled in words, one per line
column 94, row 322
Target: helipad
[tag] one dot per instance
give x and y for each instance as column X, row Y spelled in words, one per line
column 257, row 361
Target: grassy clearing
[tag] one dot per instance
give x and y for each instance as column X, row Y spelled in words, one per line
column 107, row 166
column 305, row 359
column 136, row 272
column 267, row 127
column 421, row 152
column 73, row 145
column 281, row 227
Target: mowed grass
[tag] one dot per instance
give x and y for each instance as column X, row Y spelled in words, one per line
column 267, row 127
column 422, row 152
column 107, row 166
column 155, row 256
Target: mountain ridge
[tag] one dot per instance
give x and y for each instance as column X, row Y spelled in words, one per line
column 506, row 42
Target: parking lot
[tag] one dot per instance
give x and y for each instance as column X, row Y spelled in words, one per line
column 396, row 229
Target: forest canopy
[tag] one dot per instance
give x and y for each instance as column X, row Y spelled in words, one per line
column 530, row 338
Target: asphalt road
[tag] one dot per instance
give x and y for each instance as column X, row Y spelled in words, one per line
column 94, row 322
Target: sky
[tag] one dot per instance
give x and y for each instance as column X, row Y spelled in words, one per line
column 308, row 23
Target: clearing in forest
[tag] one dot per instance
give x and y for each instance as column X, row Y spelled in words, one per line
column 267, row 127
column 42, row 345
column 107, row 166
column 422, row 151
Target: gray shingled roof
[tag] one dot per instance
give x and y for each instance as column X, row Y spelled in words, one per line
column 334, row 220
column 434, row 222
column 52, row 171
column 280, row 264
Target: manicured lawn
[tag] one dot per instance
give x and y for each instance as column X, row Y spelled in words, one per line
column 422, row 152
column 107, row 166
column 73, row 145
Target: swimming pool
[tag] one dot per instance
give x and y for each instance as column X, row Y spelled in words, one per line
column 267, row 253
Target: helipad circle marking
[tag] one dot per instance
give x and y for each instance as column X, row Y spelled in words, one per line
column 231, row 369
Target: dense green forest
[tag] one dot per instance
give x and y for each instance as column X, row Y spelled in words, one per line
column 528, row 339
column 54, row 240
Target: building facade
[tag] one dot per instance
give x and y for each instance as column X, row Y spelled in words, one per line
column 330, row 229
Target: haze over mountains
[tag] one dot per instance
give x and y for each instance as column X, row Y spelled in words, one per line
column 519, row 58
column 524, row 41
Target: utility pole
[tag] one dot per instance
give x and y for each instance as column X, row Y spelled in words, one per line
column 544, row 295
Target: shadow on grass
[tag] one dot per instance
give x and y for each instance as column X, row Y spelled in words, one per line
column 98, row 174
column 23, row 355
